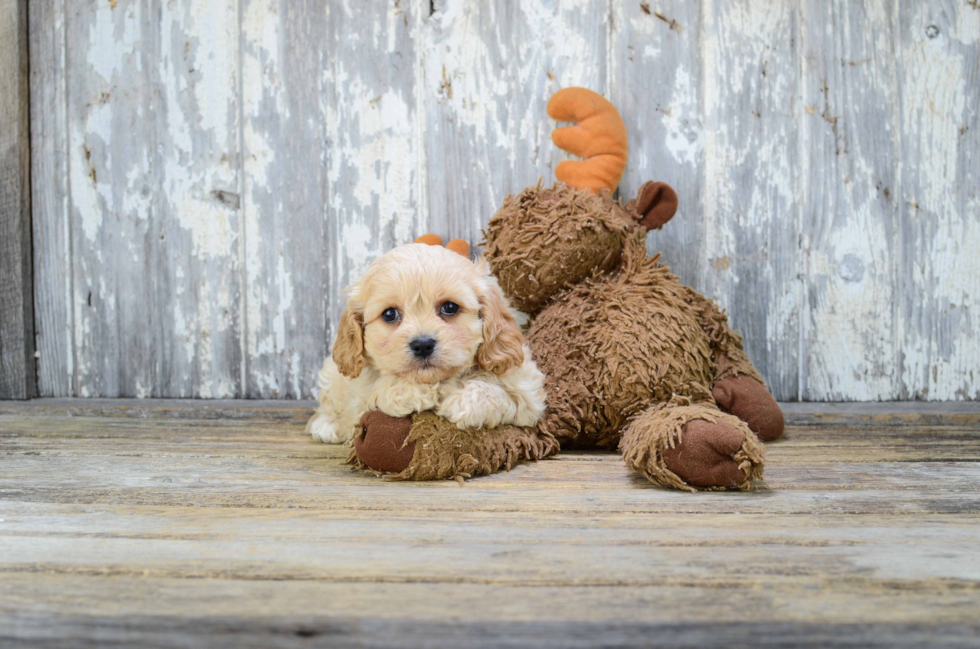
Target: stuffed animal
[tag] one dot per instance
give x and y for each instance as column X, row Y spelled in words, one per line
column 633, row 359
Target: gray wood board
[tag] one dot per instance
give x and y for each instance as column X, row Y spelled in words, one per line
column 208, row 180
column 285, row 189
column 155, row 261
column 893, row 413
column 851, row 198
column 17, row 378
column 179, row 530
column 54, row 297
column 153, row 631
column 939, row 269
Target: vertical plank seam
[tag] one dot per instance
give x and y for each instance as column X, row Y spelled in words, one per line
column 421, row 154
column 696, row 278
column 699, row 279
column 610, row 36
column 332, row 214
column 898, row 330
column 242, row 271
column 69, row 208
column 326, row 157
column 27, row 190
column 804, row 188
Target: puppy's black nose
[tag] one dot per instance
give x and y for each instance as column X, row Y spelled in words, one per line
column 423, row 346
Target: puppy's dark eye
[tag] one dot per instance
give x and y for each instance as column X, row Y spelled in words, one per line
column 390, row 315
column 449, row 308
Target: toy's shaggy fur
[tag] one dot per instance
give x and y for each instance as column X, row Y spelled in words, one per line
column 623, row 345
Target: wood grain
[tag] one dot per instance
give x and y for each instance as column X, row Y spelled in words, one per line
column 284, row 196
column 939, row 60
column 17, row 379
column 53, row 262
column 157, row 529
column 461, row 606
column 153, row 229
column 852, row 200
column 751, row 199
column 656, row 82
column 488, row 69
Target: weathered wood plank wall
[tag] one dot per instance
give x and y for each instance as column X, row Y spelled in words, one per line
column 208, row 176
column 17, row 379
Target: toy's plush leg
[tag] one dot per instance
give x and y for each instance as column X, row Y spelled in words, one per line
column 688, row 446
column 739, row 389
column 751, row 402
column 428, row 447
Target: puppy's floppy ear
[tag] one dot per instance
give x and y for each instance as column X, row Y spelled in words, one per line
column 348, row 349
column 503, row 344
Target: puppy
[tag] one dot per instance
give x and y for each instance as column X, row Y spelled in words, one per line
column 427, row 329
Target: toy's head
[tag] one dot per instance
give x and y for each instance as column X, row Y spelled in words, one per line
column 548, row 237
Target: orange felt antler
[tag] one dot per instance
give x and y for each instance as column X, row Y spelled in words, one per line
column 456, row 245
column 599, row 136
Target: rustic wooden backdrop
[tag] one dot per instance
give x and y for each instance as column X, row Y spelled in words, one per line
column 207, row 175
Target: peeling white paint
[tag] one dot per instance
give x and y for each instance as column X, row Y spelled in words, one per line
column 92, row 196
column 935, row 99
column 851, row 183
column 751, row 176
column 684, row 134
column 122, row 30
column 357, row 240
column 212, row 46
column 149, row 149
column 384, row 145
column 940, row 120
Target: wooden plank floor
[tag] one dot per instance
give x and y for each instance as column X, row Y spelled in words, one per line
column 168, row 524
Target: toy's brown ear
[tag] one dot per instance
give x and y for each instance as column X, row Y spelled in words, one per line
column 655, row 204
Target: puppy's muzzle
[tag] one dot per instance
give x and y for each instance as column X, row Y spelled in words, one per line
column 422, row 347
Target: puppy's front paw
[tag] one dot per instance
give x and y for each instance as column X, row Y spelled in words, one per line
column 397, row 398
column 324, row 430
column 477, row 405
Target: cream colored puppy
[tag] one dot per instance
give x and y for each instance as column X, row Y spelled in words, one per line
column 427, row 329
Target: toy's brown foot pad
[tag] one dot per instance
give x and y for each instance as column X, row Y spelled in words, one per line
column 749, row 400
column 693, row 446
column 705, row 455
column 382, row 445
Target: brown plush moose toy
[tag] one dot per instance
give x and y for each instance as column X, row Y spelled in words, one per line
column 633, row 359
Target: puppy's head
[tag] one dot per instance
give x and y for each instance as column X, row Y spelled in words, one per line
column 424, row 313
